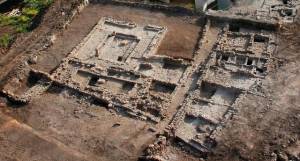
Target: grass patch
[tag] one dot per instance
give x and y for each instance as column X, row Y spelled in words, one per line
column 6, row 40
column 30, row 10
column 22, row 22
column 188, row 4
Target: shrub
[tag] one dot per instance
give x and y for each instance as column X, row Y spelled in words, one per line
column 37, row 4
column 31, row 9
column 30, row 12
column 5, row 40
column 22, row 22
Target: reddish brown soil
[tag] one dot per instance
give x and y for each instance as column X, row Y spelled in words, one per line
column 90, row 132
column 58, row 126
column 34, row 42
column 268, row 128
column 180, row 40
column 66, row 127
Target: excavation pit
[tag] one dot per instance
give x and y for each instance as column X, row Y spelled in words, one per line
column 149, row 67
column 117, row 62
column 163, row 87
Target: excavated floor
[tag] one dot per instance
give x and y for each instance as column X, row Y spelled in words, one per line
column 180, row 41
column 126, row 83
column 89, row 65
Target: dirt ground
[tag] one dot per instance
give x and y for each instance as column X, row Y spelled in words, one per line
column 180, row 41
column 93, row 133
column 59, row 121
column 61, row 126
column 268, row 128
column 35, row 41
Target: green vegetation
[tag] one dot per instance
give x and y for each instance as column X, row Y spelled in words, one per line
column 30, row 10
column 22, row 22
column 5, row 40
column 188, row 4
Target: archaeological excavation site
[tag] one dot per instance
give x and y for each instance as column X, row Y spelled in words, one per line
column 149, row 80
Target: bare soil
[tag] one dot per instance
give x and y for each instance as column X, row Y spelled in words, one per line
column 60, row 126
column 60, row 123
column 91, row 132
column 180, row 41
column 268, row 128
